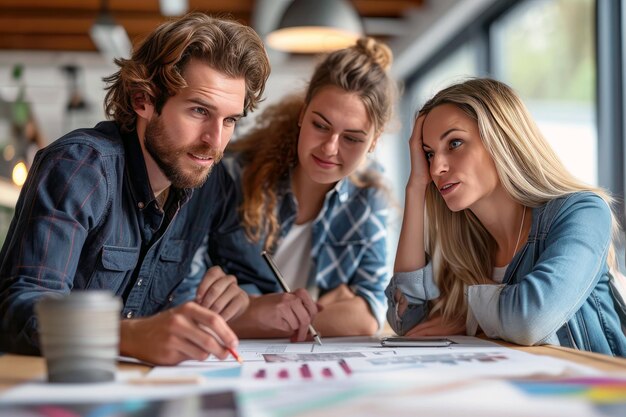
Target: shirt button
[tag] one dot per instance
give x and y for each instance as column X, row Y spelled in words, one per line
column 141, row 205
column 129, row 315
column 139, row 282
column 170, row 298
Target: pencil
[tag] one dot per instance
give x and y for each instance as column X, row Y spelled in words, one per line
column 232, row 351
column 285, row 287
column 235, row 355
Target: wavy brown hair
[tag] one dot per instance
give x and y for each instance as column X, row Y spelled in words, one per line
column 157, row 65
column 270, row 150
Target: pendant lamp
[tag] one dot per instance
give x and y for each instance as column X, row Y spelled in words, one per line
column 315, row 26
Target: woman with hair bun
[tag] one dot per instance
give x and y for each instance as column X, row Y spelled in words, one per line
column 512, row 244
column 311, row 198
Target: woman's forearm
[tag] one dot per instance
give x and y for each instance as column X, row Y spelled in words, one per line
column 351, row 317
column 411, row 254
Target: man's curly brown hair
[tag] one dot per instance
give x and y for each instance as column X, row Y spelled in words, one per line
column 156, row 66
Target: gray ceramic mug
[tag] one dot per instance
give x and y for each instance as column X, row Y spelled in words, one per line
column 79, row 335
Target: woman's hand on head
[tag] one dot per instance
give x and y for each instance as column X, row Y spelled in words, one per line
column 420, row 172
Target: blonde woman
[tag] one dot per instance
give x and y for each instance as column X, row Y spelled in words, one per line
column 515, row 245
column 310, row 197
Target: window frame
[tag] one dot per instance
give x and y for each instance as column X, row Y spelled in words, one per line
column 610, row 29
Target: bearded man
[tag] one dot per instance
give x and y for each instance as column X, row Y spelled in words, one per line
column 123, row 206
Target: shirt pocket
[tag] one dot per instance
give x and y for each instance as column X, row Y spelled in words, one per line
column 341, row 235
column 115, row 266
column 173, row 266
column 341, row 258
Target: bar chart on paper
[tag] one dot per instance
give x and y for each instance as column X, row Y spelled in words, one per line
column 450, row 359
column 267, row 371
column 271, row 361
column 290, row 371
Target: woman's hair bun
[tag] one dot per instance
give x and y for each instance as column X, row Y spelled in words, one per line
column 376, row 51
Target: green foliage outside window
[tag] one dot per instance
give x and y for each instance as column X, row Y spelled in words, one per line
column 550, row 51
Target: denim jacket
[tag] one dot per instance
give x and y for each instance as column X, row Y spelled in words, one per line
column 349, row 245
column 87, row 219
column 556, row 290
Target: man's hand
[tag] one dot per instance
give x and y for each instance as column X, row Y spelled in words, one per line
column 175, row 335
column 436, row 327
column 290, row 312
column 220, row 293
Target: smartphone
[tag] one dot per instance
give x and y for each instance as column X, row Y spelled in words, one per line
column 399, row 341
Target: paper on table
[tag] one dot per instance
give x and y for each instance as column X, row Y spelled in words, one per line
column 413, row 365
column 436, row 395
column 468, row 356
column 291, row 371
column 223, row 404
column 498, row 361
column 323, row 356
column 39, row 391
column 254, row 349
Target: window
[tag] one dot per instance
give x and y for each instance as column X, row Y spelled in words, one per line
column 457, row 66
column 544, row 49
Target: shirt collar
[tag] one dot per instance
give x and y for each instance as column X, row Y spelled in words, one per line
column 138, row 173
column 341, row 188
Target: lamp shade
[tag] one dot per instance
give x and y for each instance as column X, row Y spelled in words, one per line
column 110, row 38
column 313, row 26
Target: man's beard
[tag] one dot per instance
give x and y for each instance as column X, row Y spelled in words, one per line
column 169, row 157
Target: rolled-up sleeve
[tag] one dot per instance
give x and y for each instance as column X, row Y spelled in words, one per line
column 417, row 287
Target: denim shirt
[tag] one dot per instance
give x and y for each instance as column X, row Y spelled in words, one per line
column 556, row 290
column 349, row 245
column 87, row 219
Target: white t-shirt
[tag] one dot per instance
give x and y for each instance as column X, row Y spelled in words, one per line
column 293, row 256
column 498, row 273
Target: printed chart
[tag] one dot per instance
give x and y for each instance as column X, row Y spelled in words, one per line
column 290, row 371
column 453, row 359
column 311, row 357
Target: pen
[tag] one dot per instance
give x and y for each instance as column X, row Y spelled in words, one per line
column 232, row 351
column 285, row 287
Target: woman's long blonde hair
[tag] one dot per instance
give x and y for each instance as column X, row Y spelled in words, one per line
column 462, row 250
column 270, row 150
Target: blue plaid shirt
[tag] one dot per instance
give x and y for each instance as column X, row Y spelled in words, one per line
column 349, row 245
column 87, row 219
